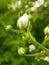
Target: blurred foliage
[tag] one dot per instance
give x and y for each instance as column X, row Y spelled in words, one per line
column 10, row 41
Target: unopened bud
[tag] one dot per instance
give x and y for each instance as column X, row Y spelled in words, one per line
column 46, row 30
column 8, row 27
column 21, row 51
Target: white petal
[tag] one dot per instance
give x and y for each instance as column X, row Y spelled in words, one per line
column 23, row 19
column 41, row 1
column 46, row 58
column 36, row 4
column 31, row 48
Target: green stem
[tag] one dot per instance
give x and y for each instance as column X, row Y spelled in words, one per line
column 37, row 43
column 36, row 54
column 32, row 39
column 17, row 31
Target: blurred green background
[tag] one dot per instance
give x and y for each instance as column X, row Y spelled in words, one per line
column 9, row 41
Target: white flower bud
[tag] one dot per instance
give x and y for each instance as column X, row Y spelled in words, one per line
column 31, row 48
column 21, row 51
column 23, row 21
column 46, row 58
column 8, row 27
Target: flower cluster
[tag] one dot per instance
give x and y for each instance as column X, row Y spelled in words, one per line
column 37, row 4
column 15, row 5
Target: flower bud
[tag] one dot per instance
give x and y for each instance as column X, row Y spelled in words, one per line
column 46, row 58
column 8, row 27
column 21, row 51
column 23, row 21
column 46, row 30
column 29, row 16
column 31, row 48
